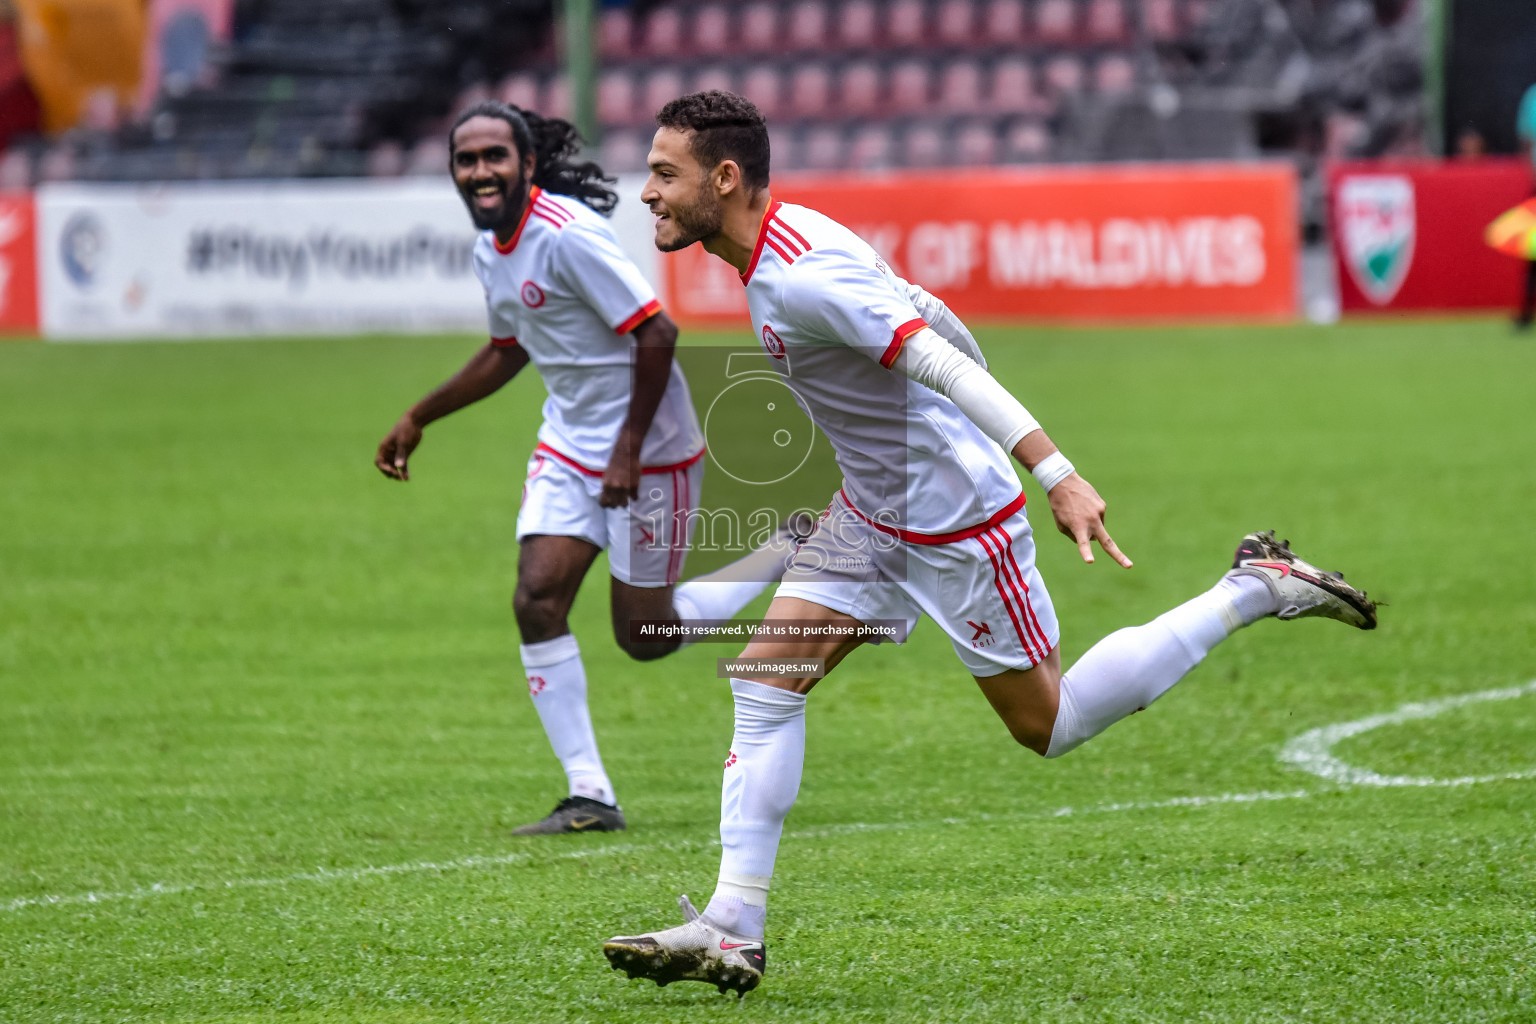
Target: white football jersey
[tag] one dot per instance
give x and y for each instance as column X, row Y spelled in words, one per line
column 564, row 290
column 832, row 318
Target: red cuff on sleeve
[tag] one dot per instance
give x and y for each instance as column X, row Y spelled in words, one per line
column 642, row 314
column 510, row 341
column 899, row 338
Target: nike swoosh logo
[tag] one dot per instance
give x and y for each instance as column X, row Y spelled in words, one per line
column 733, row 945
column 1284, row 569
column 578, row 824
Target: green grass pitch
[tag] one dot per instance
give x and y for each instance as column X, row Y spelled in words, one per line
column 263, row 732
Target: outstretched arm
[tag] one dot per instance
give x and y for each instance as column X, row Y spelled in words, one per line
column 1077, row 507
column 655, row 340
column 486, row 371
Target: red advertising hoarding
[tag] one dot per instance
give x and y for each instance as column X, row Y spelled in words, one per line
column 1408, row 234
column 1131, row 243
column 18, row 265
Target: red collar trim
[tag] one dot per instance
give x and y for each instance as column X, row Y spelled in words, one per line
column 533, row 193
column 762, row 236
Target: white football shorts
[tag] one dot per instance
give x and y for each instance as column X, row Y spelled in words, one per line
column 981, row 587
column 647, row 540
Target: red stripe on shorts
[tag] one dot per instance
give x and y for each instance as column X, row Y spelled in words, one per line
column 986, row 540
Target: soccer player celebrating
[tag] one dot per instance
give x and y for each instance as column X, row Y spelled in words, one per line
column 929, row 520
column 617, row 464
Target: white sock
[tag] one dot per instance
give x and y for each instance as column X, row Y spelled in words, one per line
column 730, row 588
column 558, row 684
column 1129, row 669
column 762, row 777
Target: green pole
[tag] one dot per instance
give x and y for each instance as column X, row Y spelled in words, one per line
column 581, row 67
column 1436, row 35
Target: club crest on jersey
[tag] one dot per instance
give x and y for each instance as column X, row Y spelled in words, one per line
column 533, row 295
column 1377, row 225
column 772, row 342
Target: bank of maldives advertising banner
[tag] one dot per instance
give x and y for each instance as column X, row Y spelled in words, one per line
column 253, row 258
column 1123, row 243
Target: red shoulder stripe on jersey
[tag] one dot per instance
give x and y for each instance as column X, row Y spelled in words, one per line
column 899, row 338
column 639, row 317
column 776, row 234
column 510, row 341
column 774, row 244
column 539, row 213
column 913, row 537
column 560, row 456
column 762, row 235
column 783, row 225
column 557, row 212
column 506, row 250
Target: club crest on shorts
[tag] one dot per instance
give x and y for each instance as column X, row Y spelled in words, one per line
column 533, row 295
column 772, row 342
column 1377, row 224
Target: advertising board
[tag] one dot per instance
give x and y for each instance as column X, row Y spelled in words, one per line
column 18, row 268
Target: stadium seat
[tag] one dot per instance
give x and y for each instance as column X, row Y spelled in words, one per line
column 810, row 89
column 1013, row 88
column 1056, row 22
column 1026, row 142
column 476, row 92
column 975, row 145
column 615, row 31
column 519, row 89
column 624, row 152
column 906, row 24
column 662, row 86
column 857, row 25
column 859, row 93
column 910, row 85
column 386, row 160
column 784, row 154
column 663, row 33
column 555, row 97
column 922, row 146
column 956, row 22
column 429, row 158
column 1005, row 23
column 808, row 25
column 1064, row 75
column 960, row 87
column 871, row 148
column 712, row 29
column 1106, row 22
column 1114, row 75
column 1161, row 19
column 823, row 149
column 713, row 79
column 759, row 29
column 763, row 86
column 615, row 98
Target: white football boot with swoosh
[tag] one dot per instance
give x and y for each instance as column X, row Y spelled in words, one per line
column 693, row 951
column 1300, row 588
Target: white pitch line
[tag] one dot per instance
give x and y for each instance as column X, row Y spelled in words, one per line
column 1313, row 751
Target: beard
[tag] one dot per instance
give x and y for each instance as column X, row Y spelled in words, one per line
column 513, row 195
column 701, row 220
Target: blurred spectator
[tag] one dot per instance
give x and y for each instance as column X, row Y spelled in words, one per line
column 1470, row 144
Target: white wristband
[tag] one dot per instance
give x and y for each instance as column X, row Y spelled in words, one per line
column 1052, row 470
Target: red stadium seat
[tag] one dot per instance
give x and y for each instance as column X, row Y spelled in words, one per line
column 823, row 149
column 386, row 160
column 1161, row 18
column 624, row 152
column 556, row 98
column 808, row 25
column 713, row 79
column 960, row 88
column 712, row 29
column 1056, row 21
column 857, row 25
column 871, row 148
column 906, row 23
column 520, row 89
column 763, row 86
column 759, row 29
column 1114, row 75
column 1198, row 12
column 1064, row 75
column 910, row 85
column 783, row 153
column 810, row 91
column 615, row 32
column 975, row 145
column 1106, row 22
column 957, row 22
column 662, row 86
column 1013, row 88
column 1005, row 23
column 616, row 98
column 1026, row 142
column 663, row 33
column 859, row 93
column 923, row 146
column 477, row 92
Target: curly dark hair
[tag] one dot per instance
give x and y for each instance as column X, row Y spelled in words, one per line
column 553, row 143
column 725, row 126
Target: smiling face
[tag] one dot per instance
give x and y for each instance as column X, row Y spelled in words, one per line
column 681, row 192
column 488, row 173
